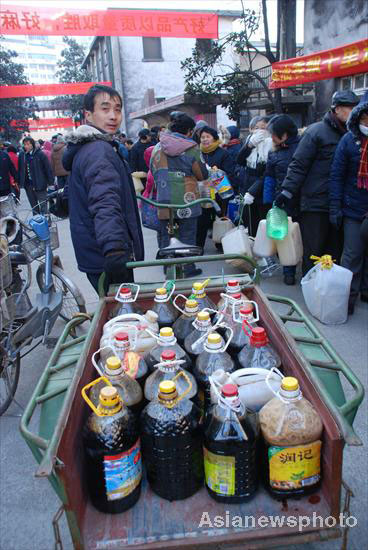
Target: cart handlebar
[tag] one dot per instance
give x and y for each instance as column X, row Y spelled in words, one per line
column 180, row 206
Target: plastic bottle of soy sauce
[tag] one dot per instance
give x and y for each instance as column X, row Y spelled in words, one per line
column 183, row 325
column 167, row 313
column 231, row 449
column 125, row 302
column 113, row 464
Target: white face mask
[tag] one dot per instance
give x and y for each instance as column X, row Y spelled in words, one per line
column 363, row 129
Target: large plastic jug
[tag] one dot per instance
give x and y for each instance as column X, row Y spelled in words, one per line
column 277, row 223
column 220, row 227
column 290, row 249
column 125, row 301
column 237, row 241
column 264, row 247
column 143, row 340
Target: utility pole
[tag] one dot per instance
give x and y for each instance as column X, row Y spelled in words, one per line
column 287, row 28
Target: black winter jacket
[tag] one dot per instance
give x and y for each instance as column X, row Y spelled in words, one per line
column 345, row 195
column 6, row 168
column 102, row 203
column 309, row 170
column 136, row 157
column 222, row 159
column 41, row 171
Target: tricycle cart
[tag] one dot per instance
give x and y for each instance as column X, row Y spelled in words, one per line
column 156, row 523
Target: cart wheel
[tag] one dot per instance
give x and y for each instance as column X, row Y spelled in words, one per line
column 73, row 301
column 9, row 376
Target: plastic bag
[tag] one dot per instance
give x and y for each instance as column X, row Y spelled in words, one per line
column 326, row 289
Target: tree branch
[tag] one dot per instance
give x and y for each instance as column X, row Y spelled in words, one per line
column 270, row 56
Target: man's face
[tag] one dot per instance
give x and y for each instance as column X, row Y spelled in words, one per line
column 27, row 146
column 343, row 111
column 106, row 114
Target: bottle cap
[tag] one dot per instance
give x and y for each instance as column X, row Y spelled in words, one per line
column 191, row 304
column 168, row 355
column 161, row 291
column 233, row 282
column 198, row 286
column 113, row 363
column 229, row 390
column 237, row 296
column 258, row 337
column 203, row 316
column 122, row 337
column 289, row 383
column 247, row 309
column 167, row 386
column 166, row 332
column 214, row 338
column 109, row 396
column 125, row 290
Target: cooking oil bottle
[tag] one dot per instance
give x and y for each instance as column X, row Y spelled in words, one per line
column 199, row 294
column 132, row 362
column 231, row 449
column 167, row 313
column 113, row 464
column 242, row 311
column 129, row 390
column 232, row 288
column 166, row 341
column 126, row 302
column 292, row 430
column 172, row 444
column 212, row 358
column 194, row 343
column 259, row 353
column 170, row 368
column 183, row 325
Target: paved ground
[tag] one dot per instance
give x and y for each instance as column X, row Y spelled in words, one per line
column 27, row 504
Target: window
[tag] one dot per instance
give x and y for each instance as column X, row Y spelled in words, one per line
column 152, row 49
column 359, row 81
column 346, row 83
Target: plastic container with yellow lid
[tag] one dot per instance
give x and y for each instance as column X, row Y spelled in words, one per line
column 183, row 325
column 162, row 305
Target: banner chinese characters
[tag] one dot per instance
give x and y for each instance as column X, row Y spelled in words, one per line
column 38, row 90
column 344, row 61
column 63, row 22
column 45, row 123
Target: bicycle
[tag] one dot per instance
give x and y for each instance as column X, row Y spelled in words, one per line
column 21, row 322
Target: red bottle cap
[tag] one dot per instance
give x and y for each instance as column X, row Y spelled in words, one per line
column 125, row 290
column 121, row 336
column 237, row 296
column 229, row 390
column 246, row 309
column 258, row 337
column 233, row 282
column 168, row 355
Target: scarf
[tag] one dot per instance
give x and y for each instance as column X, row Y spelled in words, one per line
column 363, row 166
column 211, row 147
column 234, row 141
column 259, row 154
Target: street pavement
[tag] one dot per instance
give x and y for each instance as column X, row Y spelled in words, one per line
column 28, row 504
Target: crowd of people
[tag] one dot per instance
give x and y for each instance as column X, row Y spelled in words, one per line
column 319, row 175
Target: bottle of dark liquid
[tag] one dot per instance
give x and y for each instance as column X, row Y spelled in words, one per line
column 172, row 444
column 199, row 294
column 125, row 303
column 243, row 311
column 167, row 313
column 113, row 465
column 193, row 344
column 166, row 341
column 183, row 324
column 231, row 442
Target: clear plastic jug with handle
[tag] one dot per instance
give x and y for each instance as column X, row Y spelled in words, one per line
column 126, row 301
column 128, row 323
column 183, row 324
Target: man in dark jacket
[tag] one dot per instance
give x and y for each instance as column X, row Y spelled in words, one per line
column 104, row 219
column 308, row 174
column 35, row 174
column 7, row 169
column 137, row 162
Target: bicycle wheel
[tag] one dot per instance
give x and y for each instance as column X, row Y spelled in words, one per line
column 73, row 301
column 9, row 374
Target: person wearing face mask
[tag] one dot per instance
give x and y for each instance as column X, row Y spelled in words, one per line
column 253, row 156
column 348, row 186
column 308, row 176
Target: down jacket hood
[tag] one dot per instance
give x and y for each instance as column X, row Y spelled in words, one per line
column 174, row 144
column 353, row 122
column 79, row 137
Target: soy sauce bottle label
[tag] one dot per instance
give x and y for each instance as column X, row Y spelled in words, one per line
column 294, row 467
column 219, row 473
column 131, row 363
column 123, row 472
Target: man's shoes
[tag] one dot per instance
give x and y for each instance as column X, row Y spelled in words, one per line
column 193, row 273
column 351, row 308
column 289, row 280
column 364, row 297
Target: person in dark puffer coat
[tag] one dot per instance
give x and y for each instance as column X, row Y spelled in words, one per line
column 348, row 185
column 284, row 133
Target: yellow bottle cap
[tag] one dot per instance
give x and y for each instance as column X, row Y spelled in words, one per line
column 161, row 291
column 214, row 338
column 113, row 363
column 166, row 332
column 191, row 304
column 203, row 316
column 289, row 383
column 109, row 396
column 167, row 386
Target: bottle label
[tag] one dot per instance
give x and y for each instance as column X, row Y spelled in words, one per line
column 131, row 363
column 294, row 467
column 219, row 473
column 123, row 472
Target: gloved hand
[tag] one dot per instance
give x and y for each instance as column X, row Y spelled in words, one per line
column 257, row 138
column 282, row 199
column 336, row 219
column 115, row 269
column 248, row 198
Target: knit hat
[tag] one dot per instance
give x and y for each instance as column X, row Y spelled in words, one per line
column 210, row 131
column 234, row 132
column 281, row 124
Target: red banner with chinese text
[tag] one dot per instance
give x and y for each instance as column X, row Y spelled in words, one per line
column 344, row 61
column 45, row 123
column 38, row 90
column 63, row 22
